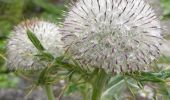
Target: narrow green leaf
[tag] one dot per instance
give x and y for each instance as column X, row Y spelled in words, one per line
column 45, row 56
column 146, row 76
column 115, row 85
column 35, row 40
column 115, row 80
column 114, row 89
column 163, row 74
column 42, row 77
column 151, row 77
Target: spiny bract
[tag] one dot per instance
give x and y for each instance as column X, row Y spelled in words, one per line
column 116, row 35
column 21, row 51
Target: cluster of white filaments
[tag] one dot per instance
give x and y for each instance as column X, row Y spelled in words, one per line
column 21, row 51
column 116, row 35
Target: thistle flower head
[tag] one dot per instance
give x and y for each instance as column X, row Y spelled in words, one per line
column 116, row 35
column 21, row 51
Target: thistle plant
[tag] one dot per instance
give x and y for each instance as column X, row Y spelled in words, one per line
column 99, row 40
column 112, row 35
column 116, row 35
column 21, row 51
column 25, row 49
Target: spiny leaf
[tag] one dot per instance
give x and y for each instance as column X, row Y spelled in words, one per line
column 145, row 76
column 35, row 40
column 150, row 77
column 115, row 80
column 42, row 76
column 116, row 84
column 45, row 56
column 163, row 74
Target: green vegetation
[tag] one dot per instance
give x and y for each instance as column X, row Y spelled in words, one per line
column 166, row 8
column 14, row 11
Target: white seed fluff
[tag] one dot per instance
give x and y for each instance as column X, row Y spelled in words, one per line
column 116, row 35
column 21, row 51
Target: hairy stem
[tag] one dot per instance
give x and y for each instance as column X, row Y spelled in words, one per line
column 98, row 85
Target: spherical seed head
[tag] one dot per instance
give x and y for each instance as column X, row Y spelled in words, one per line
column 21, row 51
column 117, row 35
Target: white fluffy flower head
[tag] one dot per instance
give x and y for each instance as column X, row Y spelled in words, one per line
column 21, row 51
column 117, row 35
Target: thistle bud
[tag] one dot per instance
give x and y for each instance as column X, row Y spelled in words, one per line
column 21, row 51
column 116, row 35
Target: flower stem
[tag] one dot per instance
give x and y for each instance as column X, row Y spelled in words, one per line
column 49, row 92
column 98, row 85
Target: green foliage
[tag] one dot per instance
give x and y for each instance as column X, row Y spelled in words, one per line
column 14, row 11
column 166, row 8
column 10, row 14
column 35, row 40
column 78, row 79
column 8, row 81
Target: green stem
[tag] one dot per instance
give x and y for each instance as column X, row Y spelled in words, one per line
column 49, row 92
column 99, row 85
column 85, row 96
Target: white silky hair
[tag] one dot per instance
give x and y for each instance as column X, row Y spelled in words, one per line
column 116, row 35
column 21, row 51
